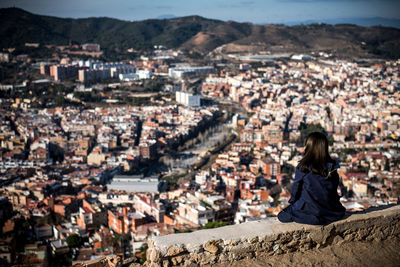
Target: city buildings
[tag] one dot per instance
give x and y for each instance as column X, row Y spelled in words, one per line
column 189, row 71
column 118, row 173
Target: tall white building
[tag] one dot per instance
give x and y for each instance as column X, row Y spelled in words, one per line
column 187, row 99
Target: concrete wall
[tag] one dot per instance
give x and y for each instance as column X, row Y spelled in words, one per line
column 269, row 237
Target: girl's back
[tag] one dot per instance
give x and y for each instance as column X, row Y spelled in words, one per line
column 314, row 198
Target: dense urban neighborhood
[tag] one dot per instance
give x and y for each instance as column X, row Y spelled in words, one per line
column 98, row 156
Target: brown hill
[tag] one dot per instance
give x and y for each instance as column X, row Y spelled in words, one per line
column 343, row 40
column 198, row 34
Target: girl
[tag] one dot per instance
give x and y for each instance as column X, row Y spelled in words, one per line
column 314, row 198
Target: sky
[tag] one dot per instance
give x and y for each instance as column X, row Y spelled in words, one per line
column 255, row 11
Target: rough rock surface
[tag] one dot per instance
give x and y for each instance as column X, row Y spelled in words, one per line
column 356, row 253
column 249, row 242
column 106, row 261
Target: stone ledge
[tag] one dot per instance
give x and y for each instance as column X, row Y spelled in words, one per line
column 268, row 237
column 105, row 261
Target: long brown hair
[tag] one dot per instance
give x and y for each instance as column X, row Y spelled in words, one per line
column 316, row 154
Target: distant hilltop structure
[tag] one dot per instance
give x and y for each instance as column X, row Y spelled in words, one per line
column 301, row 57
column 187, row 99
column 91, row 47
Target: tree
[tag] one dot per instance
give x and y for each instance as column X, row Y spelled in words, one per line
column 306, row 129
column 328, row 111
column 215, row 224
column 387, row 165
column 143, row 250
column 276, row 200
column 74, row 241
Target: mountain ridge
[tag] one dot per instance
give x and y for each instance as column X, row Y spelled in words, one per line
column 359, row 21
column 198, row 34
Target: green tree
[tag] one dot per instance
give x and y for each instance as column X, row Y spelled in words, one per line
column 387, row 165
column 59, row 100
column 276, row 200
column 306, row 129
column 74, row 241
column 26, row 225
column 215, row 224
column 143, row 250
column 328, row 111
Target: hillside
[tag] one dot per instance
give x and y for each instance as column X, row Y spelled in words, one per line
column 196, row 33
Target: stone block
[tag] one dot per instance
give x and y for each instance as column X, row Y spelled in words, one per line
column 378, row 235
column 306, row 247
column 337, row 240
column 177, row 260
column 231, row 242
column 153, row 255
column 223, row 258
column 190, row 263
column 212, row 246
column 317, row 236
column 293, row 243
column 267, row 245
column 270, row 238
column 253, row 240
column 349, row 237
column 173, row 251
column 207, row 258
column 286, row 238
